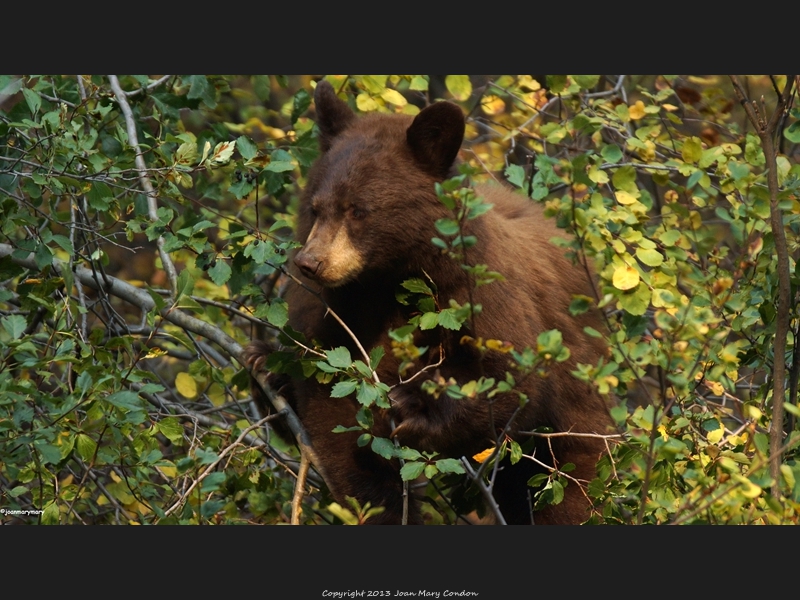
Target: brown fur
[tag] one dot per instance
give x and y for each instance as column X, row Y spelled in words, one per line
column 366, row 220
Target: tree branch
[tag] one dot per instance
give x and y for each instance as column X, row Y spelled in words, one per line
column 766, row 132
column 144, row 180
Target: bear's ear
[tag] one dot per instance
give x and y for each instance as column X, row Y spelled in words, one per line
column 435, row 137
column 333, row 114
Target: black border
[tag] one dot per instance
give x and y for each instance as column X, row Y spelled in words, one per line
column 302, row 562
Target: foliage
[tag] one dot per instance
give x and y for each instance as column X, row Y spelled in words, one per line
column 146, row 222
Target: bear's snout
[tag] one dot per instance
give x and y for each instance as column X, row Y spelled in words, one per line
column 307, row 264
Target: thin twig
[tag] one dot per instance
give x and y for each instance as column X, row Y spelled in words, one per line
column 213, row 465
column 299, row 487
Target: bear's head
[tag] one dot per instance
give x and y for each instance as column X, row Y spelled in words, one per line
column 370, row 200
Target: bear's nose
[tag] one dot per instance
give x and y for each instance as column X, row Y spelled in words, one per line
column 307, row 264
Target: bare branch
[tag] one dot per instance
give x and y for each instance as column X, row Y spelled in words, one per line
column 144, row 180
column 766, row 132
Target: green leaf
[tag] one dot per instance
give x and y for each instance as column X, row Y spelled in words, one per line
column 15, row 325
column 556, row 83
column 792, row 133
column 220, row 272
column 580, row 304
column 50, row 454
column 262, row 87
column 126, row 399
column 367, row 393
column 64, row 243
column 419, row 84
column 383, row 447
column 339, row 357
column 86, row 446
column 611, row 153
column 637, row 300
column 449, row 320
column 411, row 470
column 300, row 104
column 201, row 89
column 32, row 99
column 205, row 456
column 418, row 286
column 448, row 227
column 172, row 429
column 51, row 515
column 212, row 482
column 279, row 166
column 375, row 357
column 650, row 257
column 278, row 312
column 246, row 147
column 343, row 429
column 43, row 256
column 185, row 284
column 449, row 465
column 515, row 175
column 428, row 320
column 516, row 452
column 586, row 82
column 558, row 492
column 670, row 237
column 692, row 149
column 343, row 388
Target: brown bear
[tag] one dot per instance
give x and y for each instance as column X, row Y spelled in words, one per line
column 365, row 222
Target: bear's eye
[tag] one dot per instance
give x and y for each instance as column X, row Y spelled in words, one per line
column 357, row 213
column 313, row 211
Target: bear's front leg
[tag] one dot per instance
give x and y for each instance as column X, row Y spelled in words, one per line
column 350, row 470
column 435, row 422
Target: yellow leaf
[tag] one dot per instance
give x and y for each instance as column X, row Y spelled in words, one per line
column 528, row 82
column 715, row 436
column 755, row 247
column 206, row 150
column 663, row 431
column 458, row 85
column 499, row 346
column 753, row 411
column 636, row 111
column 661, row 298
column 216, row 393
column 366, row 103
column 493, row 105
column 598, row 176
column 168, row 471
column 624, row 197
column 482, row 456
column 186, row 386
column 749, row 489
column 155, row 353
column 222, row 153
column 669, row 107
column 394, row 97
column 625, row 278
column 692, row 149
